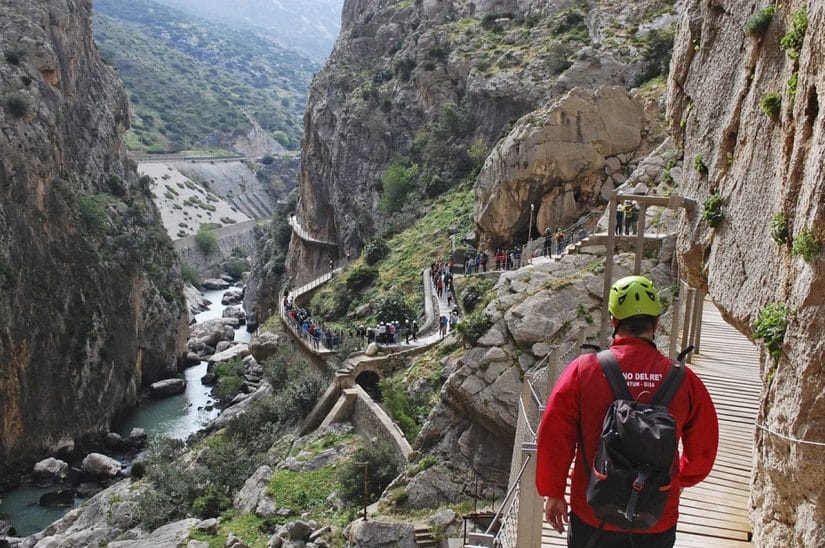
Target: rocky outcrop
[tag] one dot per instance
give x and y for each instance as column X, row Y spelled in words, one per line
column 550, row 169
column 535, row 309
column 761, row 165
column 429, row 80
column 90, row 297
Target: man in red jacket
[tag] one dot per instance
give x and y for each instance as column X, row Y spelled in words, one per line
column 575, row 413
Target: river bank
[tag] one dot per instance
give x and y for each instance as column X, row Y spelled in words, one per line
column 176, row 417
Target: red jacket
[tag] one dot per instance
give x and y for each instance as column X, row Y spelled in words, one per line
column 582, row 396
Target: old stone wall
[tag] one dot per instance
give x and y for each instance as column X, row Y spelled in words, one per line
column 762, row 162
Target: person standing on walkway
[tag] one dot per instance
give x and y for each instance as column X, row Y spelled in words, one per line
column 576, row 410
column 559, row 238
column 548, row 243
column 415, row 330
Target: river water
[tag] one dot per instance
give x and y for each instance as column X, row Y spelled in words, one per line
column 174, row 417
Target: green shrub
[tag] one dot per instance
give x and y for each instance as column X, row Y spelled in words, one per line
column 361, row 277
column 759, row 21
column 230, row 380
column 235, row 267
column 792, row 41
column 381, row 468
column 375, row 250
column 699, row 165
column 806, row 245
column 792, row 83
column 475, row 294
column 394, row 398
column 770, row 327
column 13, row 56
column 207, row 240
column 211, row 503
column 473, row 327
column 17, row 105
column 712, row 211
column 397, row 182
column 93, row 210
column 771, row 103
column 189, row 274
column 394, row 307
column 779, row 229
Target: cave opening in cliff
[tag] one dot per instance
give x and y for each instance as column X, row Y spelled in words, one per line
column 368, row 380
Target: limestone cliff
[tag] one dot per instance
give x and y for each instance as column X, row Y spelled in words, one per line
column 748, row 114
column 434, row 83
column 90, row 297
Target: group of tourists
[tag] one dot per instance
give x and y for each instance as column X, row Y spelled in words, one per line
column 312, row 331
column 508, row 259
column 557, row 240
column 627, row 217
column 388, row 332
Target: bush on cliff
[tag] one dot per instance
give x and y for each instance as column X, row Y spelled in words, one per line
column 378, row 462
column 207, row 239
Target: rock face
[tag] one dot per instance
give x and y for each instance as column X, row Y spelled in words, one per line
column 429, row 80
column 761, row 166
column 471, row 430
column 554, row 159
column 90, row 297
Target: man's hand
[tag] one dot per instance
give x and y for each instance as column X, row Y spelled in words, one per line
column 555, row 512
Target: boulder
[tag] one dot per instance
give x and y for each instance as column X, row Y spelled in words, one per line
column 231, row 412
column 61, row 498
column 167, row 387
column 114, row 441
column 240, row 350
column 210, row 333
column 254, row 491
column 195, row 301
column 216, row 283
column 300, row 530
column 208, row 526
column 172, row 535
column 264, row 344
column 137, row 437
column 380, row 534
column 50, row 470
column 232, row 296
column 234, row 542
column 88, row 489
column 372, row 350
column 7, row 530
column 99, row 465
column 223, row 345
column 235, row 312
column 190, row 359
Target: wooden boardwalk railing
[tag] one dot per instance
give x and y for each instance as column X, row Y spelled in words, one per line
column 714, row 514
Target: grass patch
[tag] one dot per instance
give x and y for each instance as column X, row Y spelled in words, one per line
column 712, row 211
column 304, row 491
column 251, row 529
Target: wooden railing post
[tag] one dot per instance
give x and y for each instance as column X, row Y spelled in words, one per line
column 689, row 296
column 530, row 503
column 608, row 269
column 696, row 324
column 640, row 239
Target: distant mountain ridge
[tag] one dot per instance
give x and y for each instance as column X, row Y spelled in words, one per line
column 193, row 83
column 309, row 26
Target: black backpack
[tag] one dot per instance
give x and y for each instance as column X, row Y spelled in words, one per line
column 630, row 478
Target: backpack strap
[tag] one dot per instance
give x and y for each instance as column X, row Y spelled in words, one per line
column 670, row 385
column 614, row 375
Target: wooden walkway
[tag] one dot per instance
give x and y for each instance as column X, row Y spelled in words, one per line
column 715, row 512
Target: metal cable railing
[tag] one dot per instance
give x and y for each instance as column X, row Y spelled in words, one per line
column 508, row 498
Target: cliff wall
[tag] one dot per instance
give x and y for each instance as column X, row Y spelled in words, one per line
column 762, row 159
column 90, row 297
column 436, row 83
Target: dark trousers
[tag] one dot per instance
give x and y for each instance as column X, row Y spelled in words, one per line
column 579, row 534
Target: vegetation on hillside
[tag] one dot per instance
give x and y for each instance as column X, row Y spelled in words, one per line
column 192, row 83
column 399, row 271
